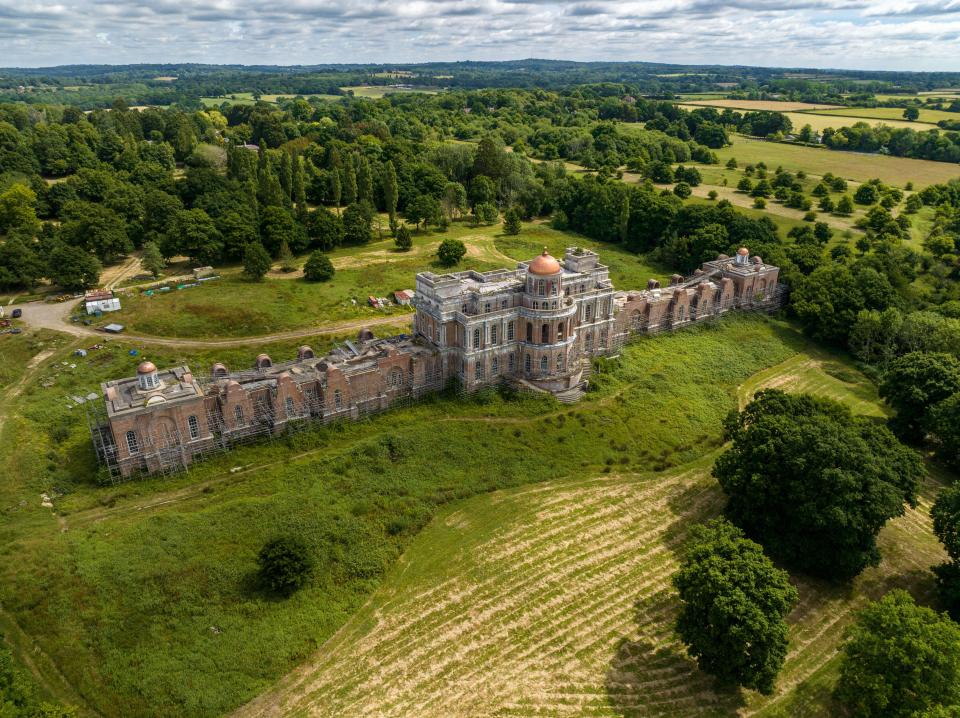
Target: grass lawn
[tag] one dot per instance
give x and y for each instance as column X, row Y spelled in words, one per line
column 856, row 166
column 554, row 599
column 236, row 307
column 143, row 594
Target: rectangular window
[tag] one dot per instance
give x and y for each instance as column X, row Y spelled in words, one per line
column 493, row 334
column 512, row 363
column 194, row 427
column 486, row 307
column 510, row 331
column 476, row 338
column 290, row 407
column 133, row 446
column 238, row 414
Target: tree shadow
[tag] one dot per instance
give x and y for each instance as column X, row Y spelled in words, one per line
column 648, row 677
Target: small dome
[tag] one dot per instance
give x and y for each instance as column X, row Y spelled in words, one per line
column 146, row 367
column 757, row 260
column 544, row 264
column 721, row 257
column 743, row 251
column 365, row 335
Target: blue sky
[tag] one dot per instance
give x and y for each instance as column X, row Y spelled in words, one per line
column 863, row 34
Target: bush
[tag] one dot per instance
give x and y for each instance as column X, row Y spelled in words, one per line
column 403, row 240
column 318, row 268
column 682, row 190
column 511, row 221
column 285, row 564
column 451, row 251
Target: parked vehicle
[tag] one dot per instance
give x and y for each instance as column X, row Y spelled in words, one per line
column 17, row 313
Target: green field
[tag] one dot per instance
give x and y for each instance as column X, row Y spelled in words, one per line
column 236, row 307
column 142, row 594
column 822, row 119
column 855, row 166
column 892, row 113
column 555, row 599
column 375, row 92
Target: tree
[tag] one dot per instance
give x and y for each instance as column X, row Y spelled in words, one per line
column 18, row 210
column 482, row 190
column 760, row 203
column 403, row 240
column 451, row 251
column 357, row 223
column 423, row 209
column 324, row 229
column 485, row 213
column 945, row 423
column 390, row 193
column 285, row 564
column 152, row 260
column 194, row 234
column 454, row 200
column 682, row 190
column 256, row 261
column 745, row 185
column 96, row 228
column 911, row 113
column 946, row 526
column 276, row 228
column 813, row 482
column 733, row 605
column 73, row 268
column 845, row 206
column 318, row 268
column 511, row 221
column 866, row 194
column 899, row 659
column 21, row 265
column 913, row 384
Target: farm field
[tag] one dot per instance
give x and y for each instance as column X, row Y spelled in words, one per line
column 892, row 113
column 555, row 599
column 821, row 120
column 236, row 307
column 856, row 166
column 246, row 98
column 141, row 594
column 755, row 105
column 377, row 91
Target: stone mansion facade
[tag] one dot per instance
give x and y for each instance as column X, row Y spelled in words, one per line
column 536, row 326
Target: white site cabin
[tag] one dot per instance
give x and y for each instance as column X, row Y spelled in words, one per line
column 101, row 301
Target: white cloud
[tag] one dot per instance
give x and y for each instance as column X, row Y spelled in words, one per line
column 869, row 34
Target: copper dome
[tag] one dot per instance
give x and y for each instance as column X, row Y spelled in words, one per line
column 743, row 251
column 544, row 264
column 146, row 367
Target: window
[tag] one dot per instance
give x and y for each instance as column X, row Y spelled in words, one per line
column 194, row 427
column 560, row 332
column 511, row 364
column 486, row 307
column 493, row 334
column 495, row 366
column 464, row 308
column 291, row 410
column 606, row 307
column 476, row 338
column 544, row 365
column 545, row 334
column 529, row 332
column 395, row 378
column 680, row 312
column 589, row 312
column 503, row 304
column 603, row 338
column 510, row 332
column 589, row 342
column 238, row 414
column 133, row 446
column 478, row 371
column 554, row 288
column 337, row 400
column 527, row 364
column 541, row 287
column 559, row 362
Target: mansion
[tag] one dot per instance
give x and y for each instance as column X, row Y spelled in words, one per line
column 536, row 327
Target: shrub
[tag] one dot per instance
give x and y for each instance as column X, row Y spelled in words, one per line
column 451, row 251
column 285, row 564
column 318, row 268
column 256, row 261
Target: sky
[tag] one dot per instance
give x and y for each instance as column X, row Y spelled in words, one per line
column 854, row 34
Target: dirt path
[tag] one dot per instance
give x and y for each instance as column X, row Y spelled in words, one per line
column 44, row 315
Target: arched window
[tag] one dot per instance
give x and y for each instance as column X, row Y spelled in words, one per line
column 559, row 362
column 476, row 338
column 194, row 426
column 133, row 446
column 289, row 406
column 495, row 366
column 238, row 413
column 545, row 334
column 337, row 400
column 527, row 364
column 544, row 365
column 529, row 331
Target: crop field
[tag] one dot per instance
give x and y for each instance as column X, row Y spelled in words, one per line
column 892, row 113
column 856, row 166
column 555, row 599
column 142, row 595
column 236, row 307
column 822, row 120
column 375, row 92
column 755, row 105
